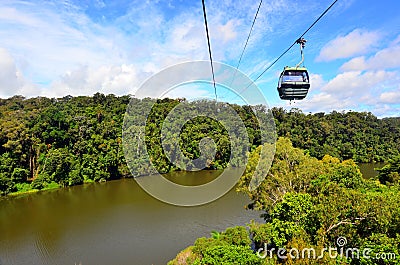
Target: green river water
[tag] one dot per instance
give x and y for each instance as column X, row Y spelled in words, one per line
column 113, row 223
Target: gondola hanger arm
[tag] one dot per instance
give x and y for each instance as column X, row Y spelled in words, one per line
column 302, row 43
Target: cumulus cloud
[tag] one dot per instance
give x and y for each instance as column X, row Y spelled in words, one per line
column 53, row 42
column 365, row 82
column 12, row 81
column 56, row 48
column 85, row 80
column 316, row 81
column 392, row 97
column 68, row 53
column 352, row 90
column 356, row 83
column 355, row 43
column 322, row 102
column 10, row 78
column 74, row 54
column 384, row 59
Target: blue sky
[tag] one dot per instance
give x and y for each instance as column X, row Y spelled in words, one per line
column 58, row 48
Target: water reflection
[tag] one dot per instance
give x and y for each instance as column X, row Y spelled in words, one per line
column 108, row 223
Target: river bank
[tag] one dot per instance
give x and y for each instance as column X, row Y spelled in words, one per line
column 108, row 223
column 367, row 169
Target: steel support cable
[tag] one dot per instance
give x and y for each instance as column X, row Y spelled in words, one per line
column 248, row 37
column 209, row 49
column 247, row 41
column 295, row 42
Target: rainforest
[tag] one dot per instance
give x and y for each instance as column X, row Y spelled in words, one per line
column 49, row 142
column 313, row 194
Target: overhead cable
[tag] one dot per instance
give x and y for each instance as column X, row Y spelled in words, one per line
column 248, row 37
column 209, row 49
column 295, row 42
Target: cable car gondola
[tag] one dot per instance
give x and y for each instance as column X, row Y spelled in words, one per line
column 294, row 82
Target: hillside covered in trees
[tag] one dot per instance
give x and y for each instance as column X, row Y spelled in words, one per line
column 48, row 142
column 316, row 211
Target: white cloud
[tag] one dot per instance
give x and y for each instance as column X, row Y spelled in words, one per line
column 68, row 53
column 355, row 43
column 12, row 15
column 356, row 83
column 184, row 40
column 396, row 41
column 227, row 31
column 392, row 97
column 10, row 78
column 55, row 48
column 316, row 81
column 385, row 110
column 64, row 52
column 352, row 90
column 12, row 82
column 355, row 64
column 323, row 102
column 85, row 80
column 384, row 59
column 52, row 41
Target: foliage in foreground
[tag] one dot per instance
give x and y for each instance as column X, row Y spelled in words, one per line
column 310, row 203
column 390, row 173
column 229, row 247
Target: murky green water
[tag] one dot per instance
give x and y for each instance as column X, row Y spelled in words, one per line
column 114, row 223
column 368, row 169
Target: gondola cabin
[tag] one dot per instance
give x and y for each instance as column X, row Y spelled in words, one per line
column 293, row 83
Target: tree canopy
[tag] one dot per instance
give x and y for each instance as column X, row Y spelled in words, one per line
column 311, row 203
column 50, row 142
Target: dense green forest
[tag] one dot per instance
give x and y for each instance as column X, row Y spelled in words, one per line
column 49, row 142
column 313, row 194
column 360, row 136
column 310, row 203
